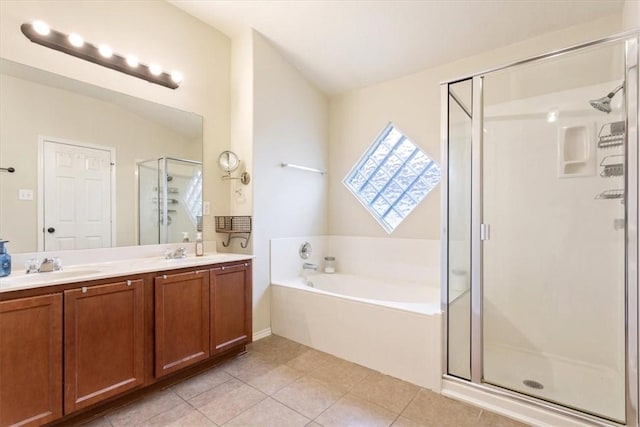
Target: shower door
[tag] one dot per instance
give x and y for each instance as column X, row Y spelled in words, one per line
column 553, row 230
column 541, row 230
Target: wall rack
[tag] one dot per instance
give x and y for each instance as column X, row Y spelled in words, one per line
column 235, row 227
column 611, row 135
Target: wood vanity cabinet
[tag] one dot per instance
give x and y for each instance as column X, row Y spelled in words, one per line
column 181, row 320
column 231, row 306
column 94, row 342
column 104, row 342
column 31, row 360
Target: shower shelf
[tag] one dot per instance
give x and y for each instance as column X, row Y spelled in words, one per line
column 173, row 190
column 611, row 194
column 232, row 225
column 612, row 166
column 611, row 135
column 169, row 201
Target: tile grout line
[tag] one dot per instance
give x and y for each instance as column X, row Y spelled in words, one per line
column 405, row 407
column 216, row 386
column 135, row 402
column 415, row 396
column 168, row 389
column 245, row 410
column 205, row 391
column 275, row 399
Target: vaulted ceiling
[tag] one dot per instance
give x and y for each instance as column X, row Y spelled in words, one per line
column 342, row 45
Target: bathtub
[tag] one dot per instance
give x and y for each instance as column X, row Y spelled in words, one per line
column 402, row 295
column 391, row 324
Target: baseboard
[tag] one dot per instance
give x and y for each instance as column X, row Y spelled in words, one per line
column 261, row 334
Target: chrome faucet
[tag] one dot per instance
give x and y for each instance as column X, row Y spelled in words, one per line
column 45, row 266
column 309, row 266
column 179, row 253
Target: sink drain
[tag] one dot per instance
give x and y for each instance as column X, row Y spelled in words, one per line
column 533, row 384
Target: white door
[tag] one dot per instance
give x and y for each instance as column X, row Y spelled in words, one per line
column 76, row 196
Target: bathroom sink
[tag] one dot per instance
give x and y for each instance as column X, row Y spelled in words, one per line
column 44, row 277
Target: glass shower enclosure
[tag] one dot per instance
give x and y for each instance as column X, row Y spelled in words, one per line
column 540, row 224
column 169, row 200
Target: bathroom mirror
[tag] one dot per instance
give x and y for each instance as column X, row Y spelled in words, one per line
column 228, row 161
column 51, row 124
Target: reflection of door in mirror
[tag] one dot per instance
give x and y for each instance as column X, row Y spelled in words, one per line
column 76, row 193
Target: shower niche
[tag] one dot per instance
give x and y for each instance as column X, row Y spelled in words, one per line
column 169, row 200
column 576, row 149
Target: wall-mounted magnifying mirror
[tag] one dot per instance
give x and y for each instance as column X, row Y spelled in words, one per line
column 228, row 162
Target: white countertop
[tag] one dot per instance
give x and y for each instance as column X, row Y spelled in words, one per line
column 19, row 280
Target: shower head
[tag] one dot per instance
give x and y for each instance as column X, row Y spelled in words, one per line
column 604, row 104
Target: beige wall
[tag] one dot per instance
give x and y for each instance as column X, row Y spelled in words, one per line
column 155, row 31
column 289, row 125
column 241, row 196
column 413, row 104
column 631, row 15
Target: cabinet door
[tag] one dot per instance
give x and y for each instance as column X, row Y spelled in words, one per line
column 104, row 342
column 231, row 306
column 182, row 320
column 31, row 360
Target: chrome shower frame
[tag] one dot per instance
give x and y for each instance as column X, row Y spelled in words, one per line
column 632, row 261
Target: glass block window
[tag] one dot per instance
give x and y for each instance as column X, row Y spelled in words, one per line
column 392, row 177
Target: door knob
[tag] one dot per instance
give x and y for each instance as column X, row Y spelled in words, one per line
column 51, row 230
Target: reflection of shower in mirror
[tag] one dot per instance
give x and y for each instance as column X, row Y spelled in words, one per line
column 169, row 199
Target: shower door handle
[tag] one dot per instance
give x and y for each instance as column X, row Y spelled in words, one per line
column 485, row 232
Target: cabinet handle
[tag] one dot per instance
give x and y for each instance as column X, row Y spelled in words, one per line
column 200, row 271
column 164, row 276
column 128, row 282
column 223, row 267
column 246, row 264
column 84, row 289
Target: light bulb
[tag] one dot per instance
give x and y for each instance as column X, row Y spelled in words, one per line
column 132, row 61
column 105, row 51
column 76, row 40
column 155, row 69
column 177, row 77
column 41, row 27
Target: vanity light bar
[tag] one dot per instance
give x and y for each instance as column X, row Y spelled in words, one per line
column 73, row 44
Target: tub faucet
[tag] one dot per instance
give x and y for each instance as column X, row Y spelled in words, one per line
column 309, row 266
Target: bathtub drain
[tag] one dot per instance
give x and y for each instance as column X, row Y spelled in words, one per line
column 310, row 284
column 533, row 384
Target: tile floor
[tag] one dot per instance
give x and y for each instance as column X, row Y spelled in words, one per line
column 283, row 383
